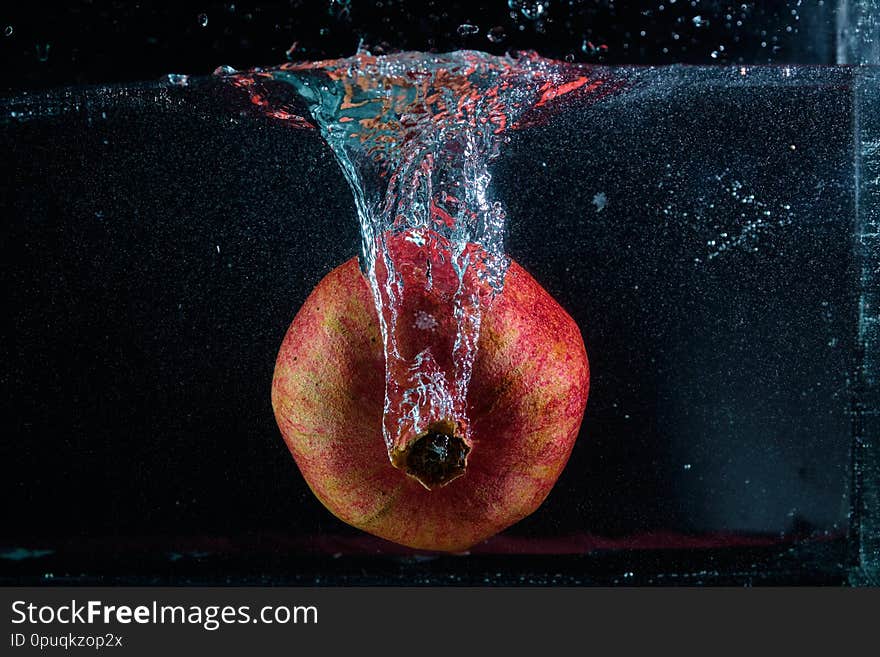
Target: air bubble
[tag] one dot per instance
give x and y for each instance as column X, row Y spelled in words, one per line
column 531, row 9
column 496, row 34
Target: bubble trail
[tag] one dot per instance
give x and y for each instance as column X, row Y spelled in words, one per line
column 415, row 135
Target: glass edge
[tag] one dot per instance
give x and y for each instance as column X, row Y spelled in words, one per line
column 865, row 498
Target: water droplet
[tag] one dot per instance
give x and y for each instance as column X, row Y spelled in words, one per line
column 496, row 34
column 591, row 48
column 9, row 30
column 699, row 21
column 202, row 20
column 531, row 9
column 466, row 29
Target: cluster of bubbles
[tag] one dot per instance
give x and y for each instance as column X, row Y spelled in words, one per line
column 530, row 9
column 669, row 27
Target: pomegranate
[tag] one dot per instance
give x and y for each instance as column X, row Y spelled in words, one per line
column 445, row 488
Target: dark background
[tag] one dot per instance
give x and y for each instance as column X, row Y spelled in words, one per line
column 47, row 44
column 137, row 354
column 158, row 242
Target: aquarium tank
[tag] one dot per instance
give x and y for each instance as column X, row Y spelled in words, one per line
column 518, row 292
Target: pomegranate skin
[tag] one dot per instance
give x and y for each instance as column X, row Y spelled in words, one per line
column 526, row 400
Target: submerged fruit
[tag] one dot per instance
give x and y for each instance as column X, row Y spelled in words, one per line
column 525, row 402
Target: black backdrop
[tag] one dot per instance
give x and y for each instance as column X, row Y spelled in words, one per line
column 138, row 480
column 48, row 44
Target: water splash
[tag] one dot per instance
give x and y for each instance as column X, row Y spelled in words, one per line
column 415, row 135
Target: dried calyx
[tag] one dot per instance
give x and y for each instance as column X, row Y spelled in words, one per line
column 434, row 458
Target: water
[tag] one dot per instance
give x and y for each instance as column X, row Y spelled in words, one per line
column 159, row 239
column 415, row 135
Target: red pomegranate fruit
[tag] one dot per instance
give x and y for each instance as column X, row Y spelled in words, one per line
column 443, row 489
